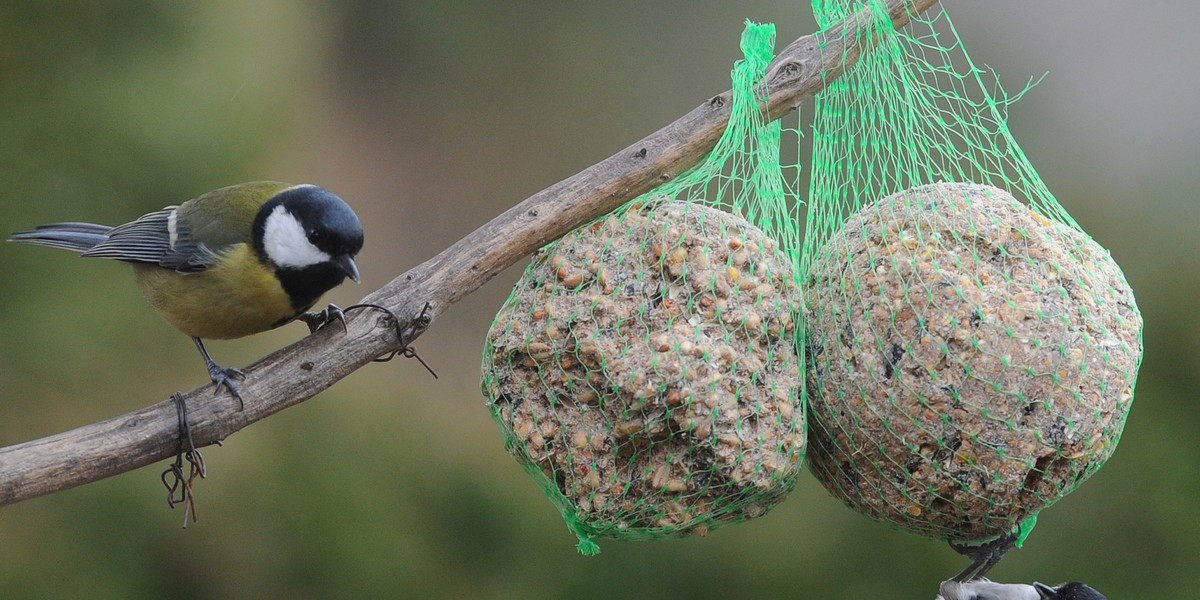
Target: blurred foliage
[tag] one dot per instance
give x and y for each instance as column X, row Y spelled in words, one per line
column 430, row 118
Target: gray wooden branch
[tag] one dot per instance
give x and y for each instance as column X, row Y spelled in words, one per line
column 300, row 371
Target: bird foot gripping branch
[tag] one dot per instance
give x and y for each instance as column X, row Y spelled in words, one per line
column 331, row 313
column 987, row 555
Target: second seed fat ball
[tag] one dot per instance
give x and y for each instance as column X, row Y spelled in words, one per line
column 970, row 361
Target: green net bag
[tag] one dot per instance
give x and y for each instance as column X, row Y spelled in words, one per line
column 972, row 353
column 644, row 370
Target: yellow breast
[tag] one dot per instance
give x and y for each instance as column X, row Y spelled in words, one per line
column 236, row 297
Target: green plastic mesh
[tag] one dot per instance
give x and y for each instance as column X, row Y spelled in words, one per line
column 972, row 353
column 644, row 370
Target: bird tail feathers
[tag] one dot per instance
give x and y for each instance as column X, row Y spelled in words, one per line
column 79, row 237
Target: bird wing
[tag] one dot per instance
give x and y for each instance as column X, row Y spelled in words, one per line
column 194, row 235
column 156, row 238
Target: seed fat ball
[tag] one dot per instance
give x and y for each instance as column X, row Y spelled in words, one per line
column 970, row 361
column 646, row 366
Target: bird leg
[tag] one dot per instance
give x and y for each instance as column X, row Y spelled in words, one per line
column 222, row 376
column 984, row 556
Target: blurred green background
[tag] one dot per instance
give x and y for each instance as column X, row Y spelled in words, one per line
column 431, row 117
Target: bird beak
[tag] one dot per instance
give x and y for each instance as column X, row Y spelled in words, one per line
column 346, row 264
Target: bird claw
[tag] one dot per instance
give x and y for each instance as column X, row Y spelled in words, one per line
column 317, row 320
column 224, row 376
column 984, row 556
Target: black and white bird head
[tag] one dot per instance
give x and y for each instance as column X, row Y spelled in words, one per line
column 982, row 589
column 310, row 238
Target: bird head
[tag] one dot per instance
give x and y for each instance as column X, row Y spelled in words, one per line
column 310, row 238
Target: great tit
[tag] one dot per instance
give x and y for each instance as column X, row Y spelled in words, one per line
column 982, row 589
column 236, row 261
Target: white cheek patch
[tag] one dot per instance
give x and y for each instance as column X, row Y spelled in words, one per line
column 286, row 244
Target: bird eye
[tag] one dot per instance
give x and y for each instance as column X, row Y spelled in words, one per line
column 314, row 236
